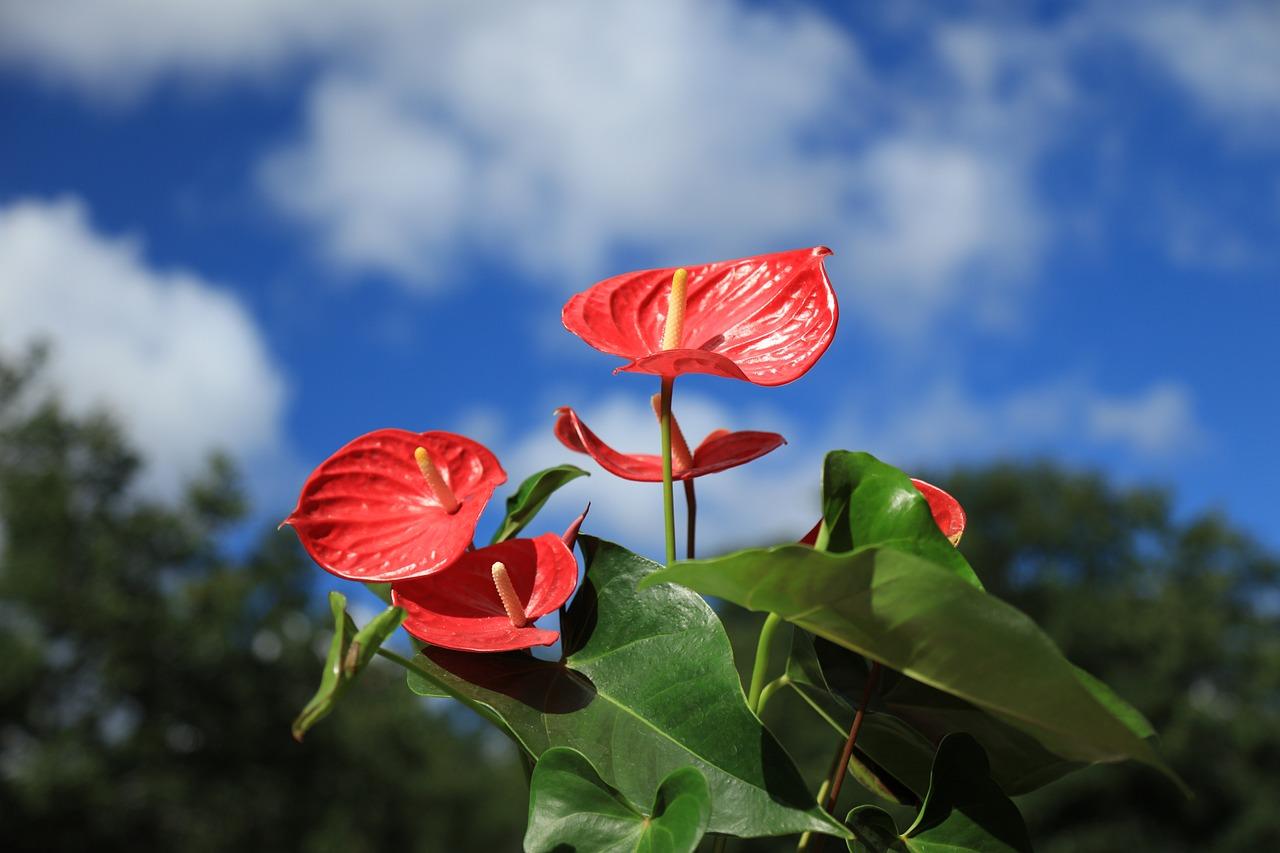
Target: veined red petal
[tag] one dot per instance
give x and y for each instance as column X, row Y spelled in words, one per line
column 575, row 435
column 675, row 362
column 459, row 608
column 946, row 511
column 367, row 514
column 764, row 319
column 719, row 450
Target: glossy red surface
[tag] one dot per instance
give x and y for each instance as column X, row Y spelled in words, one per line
column 719, row 450
column 946, row 510
column 765, row 319
column 459, row 608
column 367, row 514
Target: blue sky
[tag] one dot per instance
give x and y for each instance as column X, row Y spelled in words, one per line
column 272, row 226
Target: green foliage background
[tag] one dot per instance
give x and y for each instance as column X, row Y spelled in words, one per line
column 148, row 673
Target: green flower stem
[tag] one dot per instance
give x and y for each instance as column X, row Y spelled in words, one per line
column 771, row 688
column 808, row 836
column 668, row 493
column 691, row 518
column 488, row 715
column 758, row 672
column 824, row 537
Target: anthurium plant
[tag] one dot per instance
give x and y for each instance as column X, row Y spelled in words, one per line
column 943, row 702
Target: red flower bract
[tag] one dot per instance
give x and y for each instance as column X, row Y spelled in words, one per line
column 764, row 319
column 719, row 450
column 366, row 513
column 460, row 608
column 946, row 511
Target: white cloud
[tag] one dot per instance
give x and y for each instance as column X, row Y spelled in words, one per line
column 1068, row 417
column 566, row 132
column 1226, row 56
column 553, row 135
column 118, row 48
column 177, row 360
column 1160, row 420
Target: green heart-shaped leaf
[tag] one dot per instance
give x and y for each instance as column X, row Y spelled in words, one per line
column 928, row 623
column 349, row 653
column 573, row 810
column 531, row 496
column 963, row 810
column 866, row 502
column 649, row 686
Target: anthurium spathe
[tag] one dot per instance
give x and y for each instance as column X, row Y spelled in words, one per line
column 394, row 504
column 720, row 450
column 488, row 599
column 945, row 509
column 764, row 319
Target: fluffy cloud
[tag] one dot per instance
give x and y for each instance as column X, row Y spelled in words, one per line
column 566, row 131
column 1223, row 55
column 557, row 135
column 175, row 359
column 118, row 48
column 1069, row 417
column 685, row 132
column 554, row 135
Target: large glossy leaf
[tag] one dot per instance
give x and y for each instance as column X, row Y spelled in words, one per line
column 649, row 686
column 909, row 718
column 866, row 502
column 963, row 810
column 349, row 653
column 529, row 499
column 573, row 810
column 931, row 625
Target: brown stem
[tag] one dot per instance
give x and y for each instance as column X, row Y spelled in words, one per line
column 691, row 517
column 837, row 778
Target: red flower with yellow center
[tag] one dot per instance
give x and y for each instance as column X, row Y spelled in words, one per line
column 765, row 319
column 394, row 504
column 487, row 600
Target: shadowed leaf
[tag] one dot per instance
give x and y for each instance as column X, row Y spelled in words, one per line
column 573, row 810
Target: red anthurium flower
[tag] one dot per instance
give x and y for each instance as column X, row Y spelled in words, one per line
column 764, row 319
column 395, row 504
column 946, row 511
column 488, row 599
column 719, row 450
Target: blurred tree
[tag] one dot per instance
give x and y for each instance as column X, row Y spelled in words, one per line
column 147, row 679
column 1181, row 617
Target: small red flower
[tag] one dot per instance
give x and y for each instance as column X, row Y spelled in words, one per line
column 488, row 599
column 374, row 511
column 765, row 319
column 946, row 510
column 719, row 450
